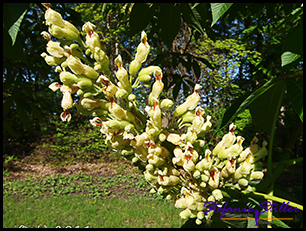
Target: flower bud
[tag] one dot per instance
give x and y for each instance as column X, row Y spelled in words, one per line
column 115, row 124
column 53, row 17
column 144, row 78
column 217, row 194
column 198, row 221
column 260, row 153
column 67, row 78
column 134, row 67
column 150, row 167
column 87, row 95
column 64, row 33
column 51, row 60
column 243, row 182
column 67, row 101
column 197, row 174
column 54, row 86
column 129, row 127
column 84, row 82
column 204, row 178
column 131, row 97
column 82, row 110
column 135, row 159
column 90, row 72
column 89, row 104
column 148, row 70
column 162, row 137
column 165, row 103
column 75, row 65
column 224, row 173
column 121, row 94
column 160, row 190
column 152, row 190
column 203, row 185
column 185, row 214
column 126, row 152
column 200, row 215
column 55, row 49
column 256, row 175
column 143, row 49
column 99, row 112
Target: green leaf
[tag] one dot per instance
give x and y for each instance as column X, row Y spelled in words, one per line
column 141, row 16
column 295, row 93
column 177, row 87
column 13, row 31
column 264, row 108
column 192, row 17
column 218, row 9
column 243, row 102
column 169, row 22
column 292, row 49
column 289, row 57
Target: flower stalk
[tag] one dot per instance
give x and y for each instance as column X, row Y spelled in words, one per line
column 173, row 157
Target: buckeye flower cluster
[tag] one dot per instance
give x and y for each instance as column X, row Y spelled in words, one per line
column 172, row 157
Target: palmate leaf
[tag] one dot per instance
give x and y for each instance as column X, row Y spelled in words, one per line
column 218, row 9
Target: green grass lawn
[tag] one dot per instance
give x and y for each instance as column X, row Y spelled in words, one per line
column 79, row 210
column 85, row 200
